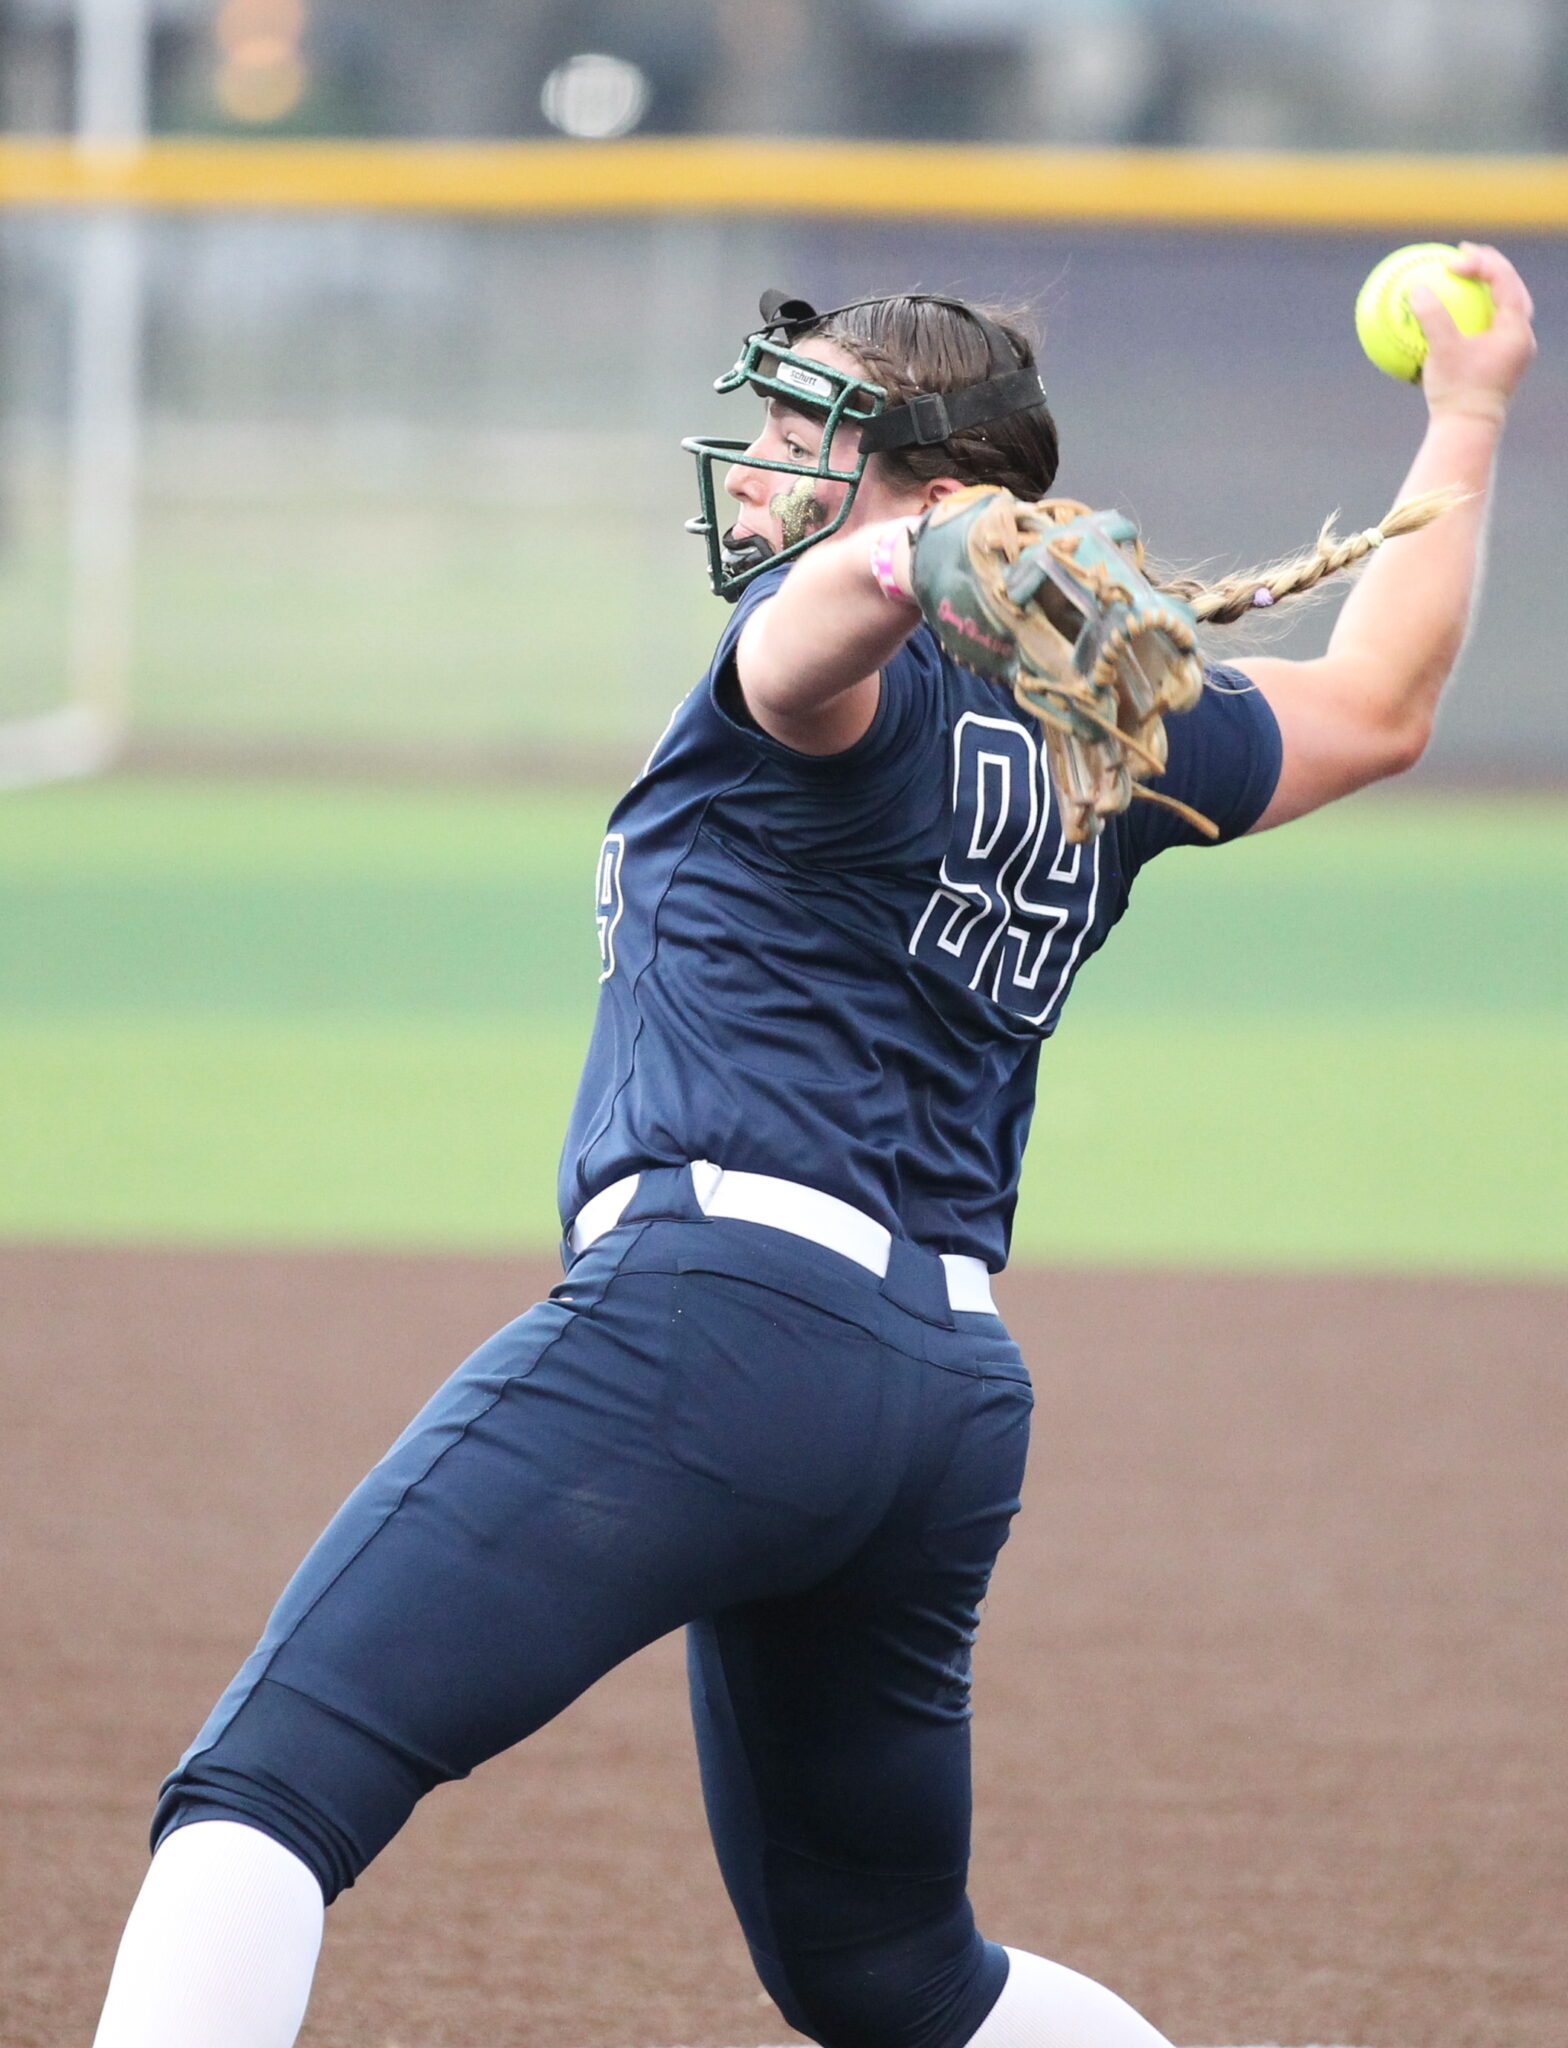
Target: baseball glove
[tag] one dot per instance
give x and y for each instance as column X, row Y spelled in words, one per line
column 1051, row 600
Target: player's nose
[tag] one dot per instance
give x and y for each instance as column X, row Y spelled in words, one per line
column 745, row 483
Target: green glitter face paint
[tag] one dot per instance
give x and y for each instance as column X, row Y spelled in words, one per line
column 798, row 510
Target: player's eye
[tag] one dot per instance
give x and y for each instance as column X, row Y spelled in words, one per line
column 797, row 449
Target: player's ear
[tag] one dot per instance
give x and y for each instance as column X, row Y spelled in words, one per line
column 937, row 489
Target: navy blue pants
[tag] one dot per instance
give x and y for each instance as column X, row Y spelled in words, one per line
column 708, row 1424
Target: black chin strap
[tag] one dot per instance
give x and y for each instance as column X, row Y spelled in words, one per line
column 930, row 417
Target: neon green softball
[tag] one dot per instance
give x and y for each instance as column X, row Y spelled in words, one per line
column 1389, row 331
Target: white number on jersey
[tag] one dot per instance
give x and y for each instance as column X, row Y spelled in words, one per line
column 1015, row 900
column 609, row 900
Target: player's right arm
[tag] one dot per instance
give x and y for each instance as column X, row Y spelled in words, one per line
column 809, row 661
column 1365, row 709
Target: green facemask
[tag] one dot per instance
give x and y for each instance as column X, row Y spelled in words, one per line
column 770, row 367
column 834, row 397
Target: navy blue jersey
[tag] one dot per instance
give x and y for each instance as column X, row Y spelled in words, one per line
column 840, row 970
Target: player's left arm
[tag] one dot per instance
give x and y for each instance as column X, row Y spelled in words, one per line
column 1364, row 710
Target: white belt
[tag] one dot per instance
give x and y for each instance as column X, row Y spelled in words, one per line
column 786, row 1205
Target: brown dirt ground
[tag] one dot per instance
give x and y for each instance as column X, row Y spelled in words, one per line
column 1270, row 1691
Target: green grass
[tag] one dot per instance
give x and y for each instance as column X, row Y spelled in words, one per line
column 429, row 1131
column 296, row 1014
column 1379, row 1143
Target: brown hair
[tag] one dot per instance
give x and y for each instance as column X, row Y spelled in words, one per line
column 909, row 345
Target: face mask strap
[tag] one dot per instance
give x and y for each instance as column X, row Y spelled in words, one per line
column 931, row 417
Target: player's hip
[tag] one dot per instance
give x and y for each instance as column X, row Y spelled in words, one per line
column 800, row 1242
column 676, row 1433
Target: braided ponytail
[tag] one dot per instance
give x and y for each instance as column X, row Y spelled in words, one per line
column 1239, row 597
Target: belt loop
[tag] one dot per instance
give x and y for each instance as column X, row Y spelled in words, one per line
column 665, row 1192
column 917, row 1281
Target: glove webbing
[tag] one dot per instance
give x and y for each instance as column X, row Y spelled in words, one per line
column 1030, row 685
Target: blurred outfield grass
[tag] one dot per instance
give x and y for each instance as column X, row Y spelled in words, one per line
column 305, row 1014
column 394, row 625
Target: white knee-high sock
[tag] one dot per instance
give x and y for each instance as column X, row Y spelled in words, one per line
column 220, row 1947
column 1044, row 2005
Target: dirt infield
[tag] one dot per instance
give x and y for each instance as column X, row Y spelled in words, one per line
column 1270, row 1691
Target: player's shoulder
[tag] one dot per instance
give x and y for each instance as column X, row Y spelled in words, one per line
column 757, row 592
column 1223, row 759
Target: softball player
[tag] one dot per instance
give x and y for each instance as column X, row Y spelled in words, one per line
column 771, row 1401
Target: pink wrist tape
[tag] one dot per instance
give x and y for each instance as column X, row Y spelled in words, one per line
column 882, row 556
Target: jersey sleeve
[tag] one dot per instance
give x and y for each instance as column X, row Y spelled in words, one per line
column 1224, row 760
column 909, row 706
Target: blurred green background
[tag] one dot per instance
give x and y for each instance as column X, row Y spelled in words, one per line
column 388, row 500
column 315, row 1013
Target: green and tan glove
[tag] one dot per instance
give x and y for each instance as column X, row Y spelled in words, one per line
column 1051, row 600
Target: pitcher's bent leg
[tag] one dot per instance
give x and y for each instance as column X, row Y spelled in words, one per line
column 833, row 1734
column 525, row 1534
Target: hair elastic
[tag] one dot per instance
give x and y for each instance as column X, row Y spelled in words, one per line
column 1262, row 596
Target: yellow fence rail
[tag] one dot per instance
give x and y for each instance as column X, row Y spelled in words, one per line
column 1454, row 195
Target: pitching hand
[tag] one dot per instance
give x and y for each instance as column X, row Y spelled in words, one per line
column 1477, row 373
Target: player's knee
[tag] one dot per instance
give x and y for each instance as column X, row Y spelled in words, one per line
column 890, row 1964
column 327, row 1790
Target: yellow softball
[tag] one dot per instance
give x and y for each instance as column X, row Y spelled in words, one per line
column 1388, row 330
